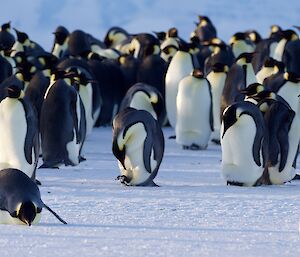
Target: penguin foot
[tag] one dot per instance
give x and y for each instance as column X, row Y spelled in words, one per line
column 193, row 147
column 216, row 141
column 47, row 166
column 81, row 159
column 38, row 182
column 297, row 177
column 172, row 137
column 123, row 179
column 234, row 183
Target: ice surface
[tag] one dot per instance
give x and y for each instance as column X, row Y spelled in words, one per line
column 192, row 213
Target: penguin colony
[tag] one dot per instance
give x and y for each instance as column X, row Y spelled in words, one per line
column 242, row 95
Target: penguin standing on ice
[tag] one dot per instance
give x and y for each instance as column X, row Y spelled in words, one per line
column 21, row 201
column 181, row 65
column 205, row 30
column 242, row 135
column 62, row 124
column 138, row 144
column 19, row 133
column 216, row 78
column 194, row 112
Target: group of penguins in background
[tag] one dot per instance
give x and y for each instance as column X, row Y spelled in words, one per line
column 242, row 95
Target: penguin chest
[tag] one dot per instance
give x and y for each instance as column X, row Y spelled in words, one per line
column 289, row 92
column 13, row 127
column 241, row 47
column 86, row 94
column 58, row 50
column 279, row 50
column 134, row 156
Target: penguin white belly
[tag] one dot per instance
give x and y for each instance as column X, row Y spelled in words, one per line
column 17, row 47
column 73, row 148
column 59, row 49
column 141, row 101
column 13, row 127
column 5, row 218
column 193, row 114
column 86, row 95
column 289, row 92
column 238, row 164
column 108, row 53
column 279, row 50
column 180, row 66
column 217, row 82
column 288, row 173
column 250, row 77
column 241, row 47
column 134, row 159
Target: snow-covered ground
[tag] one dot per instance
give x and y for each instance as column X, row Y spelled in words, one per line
column 192, row 213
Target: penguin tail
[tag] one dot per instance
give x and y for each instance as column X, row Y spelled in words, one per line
column 297, row 177
column 55, row 214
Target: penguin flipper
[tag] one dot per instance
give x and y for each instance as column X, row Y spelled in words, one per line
column 55, row 214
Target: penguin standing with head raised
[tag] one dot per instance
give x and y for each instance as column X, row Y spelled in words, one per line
column 181, row 65
column 19, row 141
column 60, row 44
column 138, row 144
column 194, row 112
column 216, row 78
column 21, row 201
column 242, row 135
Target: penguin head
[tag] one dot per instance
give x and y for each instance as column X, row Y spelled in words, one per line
column 291, row 76
column 254, row 36
column 114, row 36
column 236, row 37
column 27, row 212
column 244, row 58
column 197, row 73
column 61, row 34
column 22, row 37
column 252, row 89
column 172, row 32
column 161, row 35
column 220, row 67
column 289, row 35
column 14, row 91
column 203, row 21
column 5, row 27
column 275, row 31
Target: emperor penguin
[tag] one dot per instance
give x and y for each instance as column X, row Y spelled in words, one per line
column 216, row 78
column 242, row 135
column 60, row 44
column 286, row 36
column 181, row 65
column 78, row 44
column 240, row 43
column 289, row 58
column 145, row 97
column 62, row 124
column 194, row 122
column 270, row 67
column 7, row 39
column 239, row 76
column 283, row 135
column 115, row 36
column 205, row 30
column 21, row 202
column 19, row 141
column 138, row 144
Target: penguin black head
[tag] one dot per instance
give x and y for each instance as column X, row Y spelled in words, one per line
column 275, row 32
column 289, row 34
column 161, row 35
column 5, row 26
column 61, row 33
column 173, row 32
column 254, row 36
column 220, row 67
column 21, row 36
column 238, row 36
column 246, row 57
column 203, row 20
column 197, row 73
column 27, row 212
column 47, row 61
column 78, row 43
column 291, row 76
column 14, row 91
column 252, row 89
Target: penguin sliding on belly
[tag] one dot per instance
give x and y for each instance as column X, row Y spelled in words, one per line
column 20, row 199
column 194, row 112
column 138, row 144
column 19, row 141
column 242, row 134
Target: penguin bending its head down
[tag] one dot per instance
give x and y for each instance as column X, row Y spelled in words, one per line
column 138, row 144
column 242, row 135
column 20, row 199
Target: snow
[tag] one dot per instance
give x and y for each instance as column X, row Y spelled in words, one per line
column 192, row 213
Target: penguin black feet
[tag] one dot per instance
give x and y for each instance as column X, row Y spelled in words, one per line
column 216, row 141
column 172, row 137
column 123, row 179
column 297, row 177
column 233, row 183
column 81, row 159
column 38, row 182
column 193, row 147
